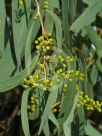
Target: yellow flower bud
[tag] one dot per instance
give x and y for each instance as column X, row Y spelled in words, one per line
column 48, row 48
column 54, row 110
column 28, row 106
column 32, row 98
column 65, row 86
column 38, row 47
column 36, row 42
column 20, row 2
column 58, row 80
column 99, row 109
column 35, row 17
column 46, row 2
column 78, row 105
column 64, row 65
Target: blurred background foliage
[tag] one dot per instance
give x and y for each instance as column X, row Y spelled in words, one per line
column 77, row 26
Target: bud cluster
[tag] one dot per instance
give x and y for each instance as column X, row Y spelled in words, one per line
column 89, row 103
column 32, row 105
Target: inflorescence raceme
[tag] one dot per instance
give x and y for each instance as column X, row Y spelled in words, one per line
column 45, row 43
column 58, row 67
column 51, row 64
column 32, row 105
column 35, row 80
column 89, row 103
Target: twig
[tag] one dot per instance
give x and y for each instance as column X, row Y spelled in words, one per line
column 38, row 14
column 13, row 115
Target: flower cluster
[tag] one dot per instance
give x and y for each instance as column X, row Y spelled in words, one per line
column 70, row 74
column 45, row 43
column 89, row 103
column 37, row 80
column 51, row 64
column 32, row 105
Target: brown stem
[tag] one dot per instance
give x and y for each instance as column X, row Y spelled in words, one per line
column 38, row 14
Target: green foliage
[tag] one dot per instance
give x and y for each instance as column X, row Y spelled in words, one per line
column 53, row 59
column 91, row 130
column 24, row 115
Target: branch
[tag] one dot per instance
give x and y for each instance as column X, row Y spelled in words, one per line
column 38, row 14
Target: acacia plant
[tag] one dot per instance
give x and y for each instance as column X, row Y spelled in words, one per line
column 50, row 54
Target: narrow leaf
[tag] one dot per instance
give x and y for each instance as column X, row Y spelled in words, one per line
column 24, row 114
column 90, row 130
column 53, row 119
column 2, row 25
column 67, row 103
column 46, row 129
column 88, row 16
column 28, row 45
column 95, row 39
column 51, row 99
column 58, row 28
column 12, row 82
column 67, row 123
